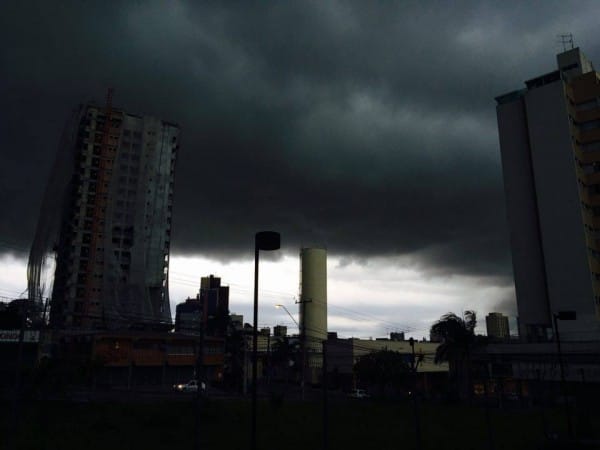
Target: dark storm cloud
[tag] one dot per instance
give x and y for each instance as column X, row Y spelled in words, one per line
column 368, row 128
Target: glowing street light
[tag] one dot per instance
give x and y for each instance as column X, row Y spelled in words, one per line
column 289, row 314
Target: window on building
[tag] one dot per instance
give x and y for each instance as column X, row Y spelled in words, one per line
column 590, row 125
column 585, row 106
column 590, row 146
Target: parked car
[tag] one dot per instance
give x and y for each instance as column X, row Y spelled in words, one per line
column 359, row 393
column 190, row 386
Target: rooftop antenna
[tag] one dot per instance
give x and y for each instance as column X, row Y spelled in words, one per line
column 566, row 40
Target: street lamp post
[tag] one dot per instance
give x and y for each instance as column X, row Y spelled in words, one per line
column 263, row 240
column 563, row 315
column 288, row 313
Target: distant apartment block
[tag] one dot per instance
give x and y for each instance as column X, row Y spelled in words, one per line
column 215, row 301
column 110, row 201
column 236, row 321
column 550, row 145
column 497, row 326
column 397, row 336
column 280, row 331
column 210, row 310
column 188, row 316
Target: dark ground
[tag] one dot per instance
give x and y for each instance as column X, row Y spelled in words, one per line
column 290, row 424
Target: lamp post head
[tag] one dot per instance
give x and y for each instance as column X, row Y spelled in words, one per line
column 279, row 305
column 267, row 240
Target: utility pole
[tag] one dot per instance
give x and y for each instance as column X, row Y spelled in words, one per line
column 303, row 340
column 413, row 364
column 17, row 394
column 269, row 359
column 199, row 378
column 325, row 399
column 540, row 396
column 488, row 417
column 564, row 315
column 245, row 381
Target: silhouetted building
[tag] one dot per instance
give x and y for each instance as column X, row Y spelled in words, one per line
column 395, row 336
column 107, row 216
column 131, row 358
column 497, row 326
column 215, row 300
column 237, row 321
column 210, row 307
column 265, row 331
column 550, row 144
column 280, row 331
column 187, row 316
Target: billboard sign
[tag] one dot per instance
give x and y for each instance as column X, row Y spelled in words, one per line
column 13, row 336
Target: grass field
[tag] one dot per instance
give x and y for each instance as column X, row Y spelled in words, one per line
column 292, row 425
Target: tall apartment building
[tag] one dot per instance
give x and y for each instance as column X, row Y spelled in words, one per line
column 215, row 299
column 550, row 145
column 114, row 221
column 497, row 326
column 210, row 308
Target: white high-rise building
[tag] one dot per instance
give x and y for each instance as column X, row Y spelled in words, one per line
column 550, row 144
column 109, row 200
column 497, row 326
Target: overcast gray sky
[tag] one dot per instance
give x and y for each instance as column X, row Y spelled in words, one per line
column 366, row 127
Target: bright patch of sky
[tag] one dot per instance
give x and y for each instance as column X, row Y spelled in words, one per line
column 365, row 299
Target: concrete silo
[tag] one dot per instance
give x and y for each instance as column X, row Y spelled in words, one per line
column 313, row 304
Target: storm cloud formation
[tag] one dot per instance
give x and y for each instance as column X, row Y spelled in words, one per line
column 366, row 127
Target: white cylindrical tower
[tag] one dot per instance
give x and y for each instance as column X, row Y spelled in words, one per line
column 313, row 300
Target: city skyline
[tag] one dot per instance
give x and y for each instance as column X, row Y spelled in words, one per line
column 344, row 125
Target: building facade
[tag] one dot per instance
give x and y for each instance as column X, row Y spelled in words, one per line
column 210, row 309
column 114, row 225
column 343, row 354
column 497, row 326
column 215, row 301
column 123, row 358
column 550, row 146
column 280, row 331
column 188, row 316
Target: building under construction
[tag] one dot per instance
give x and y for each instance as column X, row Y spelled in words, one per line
column 101, row 250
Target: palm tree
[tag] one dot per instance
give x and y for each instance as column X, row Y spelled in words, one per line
column 458, row 342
